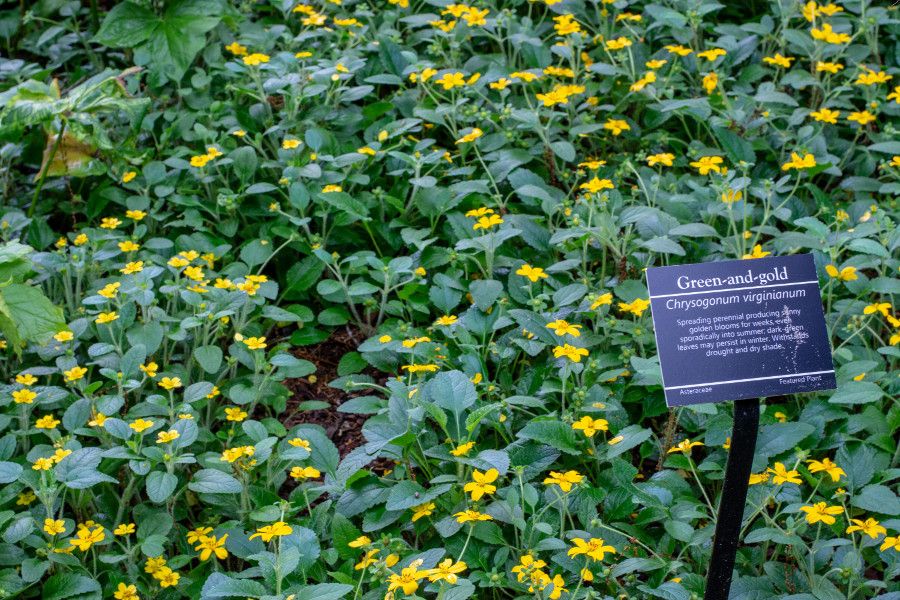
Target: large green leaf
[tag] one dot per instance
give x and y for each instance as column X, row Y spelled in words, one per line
column 27, row 315
column 167, row 44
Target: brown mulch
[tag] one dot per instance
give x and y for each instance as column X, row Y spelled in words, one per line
column 343, row 429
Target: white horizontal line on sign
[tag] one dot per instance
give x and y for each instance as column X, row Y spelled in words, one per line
column 678, row 387
column 752, row 287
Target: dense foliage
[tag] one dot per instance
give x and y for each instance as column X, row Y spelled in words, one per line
column 445, row 210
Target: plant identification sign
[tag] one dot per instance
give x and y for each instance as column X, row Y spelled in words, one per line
column 740, row 329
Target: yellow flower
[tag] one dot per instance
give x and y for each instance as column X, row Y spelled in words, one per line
column 212, row 546
column 500, row 84
column 64, row 336
column 80, row 240
column 236, row 49
column 807, row 162
column 124, row 529
column 825, row 465
column 463, row 449
column 563, row 327
column 149, row 369
column 883, row 308
column 164, row 437
column 135, row 215
column 85, row 538
column 730, row 196
column 635, row 307
column 408, row 578
column 782, row 475
column 133, row 267
column 367, row 560
column 527, row 565
column 422, row 510
column 481, row 484
column 826, row 115
column 126, row 592
column 468, row 516
column 710, row 82
column 870, row 527
column 891, row 542
column 170, row 383
column 708, row 163
column 48, row 422
column 665, row 159
column 290, row 144
column 54, row 527
column 596, row 185
column 757, row 478
column 166, row 577
column 427, row 368
column 602, row 300
column 828, row 67
column 863, row 117
column 255, row 59
column 779, row 60
column 756, row 253
column 616, row 126
column 713, row 54
column 446, row 320
column 235, row 414
column 565, row 481
column 821, row 512
column 26, row 379
column 140, row 425
column 828, row 35
column 869, row 77
column 107, row 317
column 359, row 542
column 128, row 176
column 487, row 222
column 305, row 472
column 618, row 43
column 154, row 565
column 24, row 396
column 277, row 529
column 451, row 80
column 595, row 548
column 470, row 137
column 566, row 25
column 366, row 150
column 571, row 352
column 590, row 426
column 42, row 464
column 845, row 274
column 109, row 291
column 109, row 223
column 300, row 443
column 532, row 273
column 684, row 446
column 129, row 246
column 447, row 571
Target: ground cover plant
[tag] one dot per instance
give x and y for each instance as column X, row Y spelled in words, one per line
column 345, row 299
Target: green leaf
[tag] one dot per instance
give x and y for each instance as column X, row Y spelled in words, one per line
column 736, row 147
column 209, row 358
column 219, row 585
column 9, row 471
column 213, row 481
column 67, row 585
column 453, row 391
column 26, row 315
column 126, row 26
column 345, row 203
column 323, row 591
column 878, row 499
column 856, row 392
column 160, row 486
column 552, row 432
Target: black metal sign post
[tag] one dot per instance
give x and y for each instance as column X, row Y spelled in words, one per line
column 734, row 498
